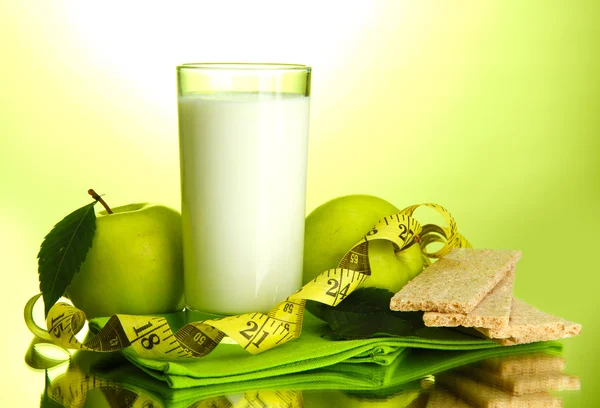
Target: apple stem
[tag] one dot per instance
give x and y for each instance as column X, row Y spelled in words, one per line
column 98, row 198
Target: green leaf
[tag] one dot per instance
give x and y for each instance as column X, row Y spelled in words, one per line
column 352, row 326
column 63, row 251
column 366, row 313
column 365, row 300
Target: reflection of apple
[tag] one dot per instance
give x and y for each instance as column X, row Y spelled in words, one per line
column 334, row 227
column 324, row 399
column 135, row 264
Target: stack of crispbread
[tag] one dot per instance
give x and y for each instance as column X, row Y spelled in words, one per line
column 517, row 381
column 473, row 288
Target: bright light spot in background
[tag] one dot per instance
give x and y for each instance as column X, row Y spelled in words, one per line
column 145, row 51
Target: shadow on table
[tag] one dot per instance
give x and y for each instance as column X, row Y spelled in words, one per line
column 516, row 376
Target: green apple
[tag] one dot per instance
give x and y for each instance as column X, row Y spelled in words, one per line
column 135, row 264
column 335, row 226
column 392, row 270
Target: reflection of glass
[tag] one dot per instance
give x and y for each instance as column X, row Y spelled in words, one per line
column 243, row 134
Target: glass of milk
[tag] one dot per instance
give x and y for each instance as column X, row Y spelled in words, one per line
column 243, row 135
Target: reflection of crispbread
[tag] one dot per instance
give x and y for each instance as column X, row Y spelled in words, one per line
column 524, row 384
column 457, row 282
column 528, row 324
column 441, row 398
column 493, row 312
column 481, row 395
column 527, row 364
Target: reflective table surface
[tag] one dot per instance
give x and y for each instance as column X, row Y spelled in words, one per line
column 545, row 378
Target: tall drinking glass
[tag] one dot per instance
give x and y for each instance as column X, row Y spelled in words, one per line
column 243, row 135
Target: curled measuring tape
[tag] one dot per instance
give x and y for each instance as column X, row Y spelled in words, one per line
column 152, row 337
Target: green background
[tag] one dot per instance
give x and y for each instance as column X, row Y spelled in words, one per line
column 491, row 109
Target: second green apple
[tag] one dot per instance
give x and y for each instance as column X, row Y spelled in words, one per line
column 335, row 226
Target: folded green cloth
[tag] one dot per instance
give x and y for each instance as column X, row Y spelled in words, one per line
column 376, row 379
column 231, row 364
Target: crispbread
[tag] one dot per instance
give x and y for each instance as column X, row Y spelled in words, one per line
column 441, row 398
column 570, row 329
column 493, row 312
column 527, row 364
column 528, row 324
column 524, row 384
column 457, row 282
column 481, row 395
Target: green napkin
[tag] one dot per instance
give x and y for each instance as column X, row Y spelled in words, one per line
column 232, row 364
column 377, row 379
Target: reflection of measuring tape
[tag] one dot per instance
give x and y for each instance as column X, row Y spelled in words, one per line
column 70, row 390
column 71, row 387
column 151, row 337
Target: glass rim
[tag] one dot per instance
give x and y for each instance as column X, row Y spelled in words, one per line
column 243, row 66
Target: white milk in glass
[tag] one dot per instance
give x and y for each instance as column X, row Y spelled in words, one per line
column 243, row 181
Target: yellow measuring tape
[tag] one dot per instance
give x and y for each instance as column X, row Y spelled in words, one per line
column 152, row 337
